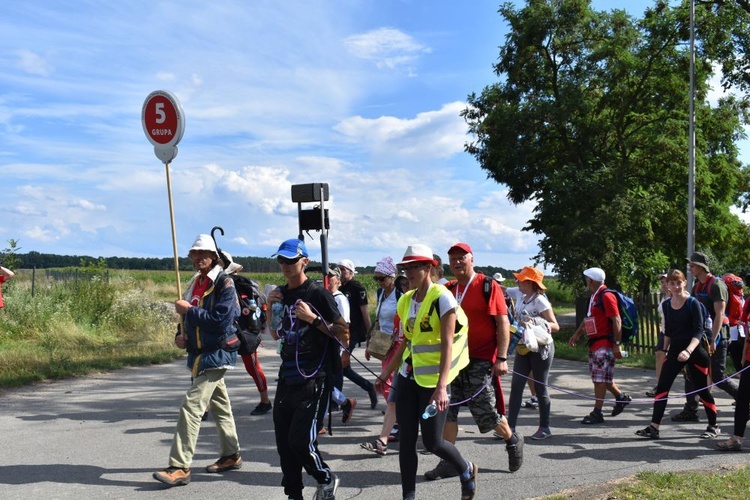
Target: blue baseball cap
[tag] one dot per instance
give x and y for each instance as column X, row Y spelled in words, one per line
column 291, row 249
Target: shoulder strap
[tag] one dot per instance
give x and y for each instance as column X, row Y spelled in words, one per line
column 487, row 288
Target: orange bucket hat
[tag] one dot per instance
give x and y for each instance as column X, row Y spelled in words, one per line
column 529, row 273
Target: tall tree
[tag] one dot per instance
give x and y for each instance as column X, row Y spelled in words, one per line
column 590, row 120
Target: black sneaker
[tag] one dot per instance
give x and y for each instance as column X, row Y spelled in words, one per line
column 620, row 403
column 515, row 453
column 373, row 397
column 686, row 416
column 443, row 470
column 347, row 410
column 261, row 409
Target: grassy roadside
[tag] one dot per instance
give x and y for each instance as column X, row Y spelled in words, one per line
column 725, row 483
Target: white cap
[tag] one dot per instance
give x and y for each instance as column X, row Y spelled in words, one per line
column 595, row 273
column 204, row 242
column 498, row 277
column 348, row 264
column 232, row 266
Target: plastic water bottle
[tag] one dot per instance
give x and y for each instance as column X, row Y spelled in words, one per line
column 277, row 313
column 430, row 411
column 624, row 354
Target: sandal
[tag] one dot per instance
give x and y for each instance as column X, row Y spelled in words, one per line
column 730, row 445
column 376, row 446
column 649, row 432
column 593, row 418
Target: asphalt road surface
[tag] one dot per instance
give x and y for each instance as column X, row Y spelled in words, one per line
column 103, row 436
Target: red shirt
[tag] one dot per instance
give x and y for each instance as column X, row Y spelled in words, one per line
column 601, row 318
column 199, row 288
column 482, row 327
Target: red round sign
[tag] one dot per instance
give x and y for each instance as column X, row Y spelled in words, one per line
column 162, row 119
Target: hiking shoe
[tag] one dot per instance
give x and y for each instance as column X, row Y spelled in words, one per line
column 376, row 446
column 373, row 397
column 651, row 393
column 649, row 432
column 173, row 476
column 469, row 486
column 595, row 417
column 686, row 416
column 347, row 410
column 541, row 433
column 226, row 463
column 711, row 432
column 327, row 491
column 730, row 445
column 532, row 402
column 261, row 409
column 621, row 402
column 515, row 453
column 443, row 470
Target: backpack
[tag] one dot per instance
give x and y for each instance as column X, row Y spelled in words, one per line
column 735, row 301
column 252, row 313
column 487, row 290
column 628, row 315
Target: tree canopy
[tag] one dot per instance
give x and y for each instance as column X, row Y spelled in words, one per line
column 589, row 120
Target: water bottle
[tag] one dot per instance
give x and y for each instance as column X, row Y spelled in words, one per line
column 252, row 305
column 430, row 411
column 277, row 314
column 624, row 354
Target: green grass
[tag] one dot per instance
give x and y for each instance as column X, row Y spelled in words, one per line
column 728, row 483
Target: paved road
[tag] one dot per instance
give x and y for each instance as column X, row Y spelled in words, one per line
column 103, row 436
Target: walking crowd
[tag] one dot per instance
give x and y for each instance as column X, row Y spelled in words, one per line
column 443, row 344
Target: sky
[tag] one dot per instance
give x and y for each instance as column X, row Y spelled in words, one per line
column 364, row 95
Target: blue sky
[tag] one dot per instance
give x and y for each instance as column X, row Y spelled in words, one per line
column 362, row 94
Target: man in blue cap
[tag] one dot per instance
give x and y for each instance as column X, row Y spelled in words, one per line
column 310, row 327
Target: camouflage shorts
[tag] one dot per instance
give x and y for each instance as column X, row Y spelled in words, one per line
column 482, row 406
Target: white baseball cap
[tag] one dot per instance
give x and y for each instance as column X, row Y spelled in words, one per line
column 348, row 264
column 595, row 273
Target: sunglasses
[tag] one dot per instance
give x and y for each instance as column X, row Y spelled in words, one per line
column 380, row 279
column 288, row 262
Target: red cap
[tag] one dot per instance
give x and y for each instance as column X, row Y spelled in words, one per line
column 464, row 247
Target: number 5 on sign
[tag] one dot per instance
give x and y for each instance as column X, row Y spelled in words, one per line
column 164, row 123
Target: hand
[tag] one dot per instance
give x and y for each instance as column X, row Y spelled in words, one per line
column 303, row 312
column 367, row 354
column 274, row 296
column 182, row 306
column 500, row 368
column 180, row 341
column 345, row 359
column 572, row 340
column 683, row 356
column 617, row 351
column 440, row 397
column 379, row 382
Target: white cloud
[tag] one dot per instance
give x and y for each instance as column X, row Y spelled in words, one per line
column 33, row 63
column 388, row 48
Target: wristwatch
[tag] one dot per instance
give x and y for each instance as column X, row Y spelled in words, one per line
column 317, row 321
column 618, row 342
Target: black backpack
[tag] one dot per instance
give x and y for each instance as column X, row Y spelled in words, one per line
column 252, row 318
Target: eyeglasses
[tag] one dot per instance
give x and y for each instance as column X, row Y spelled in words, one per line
column 380, row 279
column 413, row 266
column 288, row 262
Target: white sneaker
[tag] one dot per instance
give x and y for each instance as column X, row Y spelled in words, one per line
column 327, row 491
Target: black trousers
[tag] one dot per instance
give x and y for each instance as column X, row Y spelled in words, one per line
column 295, row 411
column 718, row 369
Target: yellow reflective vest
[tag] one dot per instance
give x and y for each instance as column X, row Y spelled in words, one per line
column 423, row 337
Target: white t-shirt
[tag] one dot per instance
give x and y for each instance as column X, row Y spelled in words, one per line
column 533, row 306
column 387, row 312
column 343, row 304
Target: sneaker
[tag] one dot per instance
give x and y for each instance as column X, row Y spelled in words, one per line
column 442, row 471
column 373, row 397
column 347, row 410
column 226, row 463
column 532, row 402
column 515, row 453
column 469, row 486
column 651, row 393
column 595, row 417
column 649, row 432
column 394, row 435
column 541, row 433
column 621, row 402
column 711, row 432
column 327, row 491
column 409, row 496
column 173, row 476
column 729, row 445
column 686, row 416
column 376, row 446
column 261, row 409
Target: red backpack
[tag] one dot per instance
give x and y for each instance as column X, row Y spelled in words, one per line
column 736, row 300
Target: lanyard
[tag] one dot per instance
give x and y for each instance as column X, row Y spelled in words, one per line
column 460, row 296
column 593, row 297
